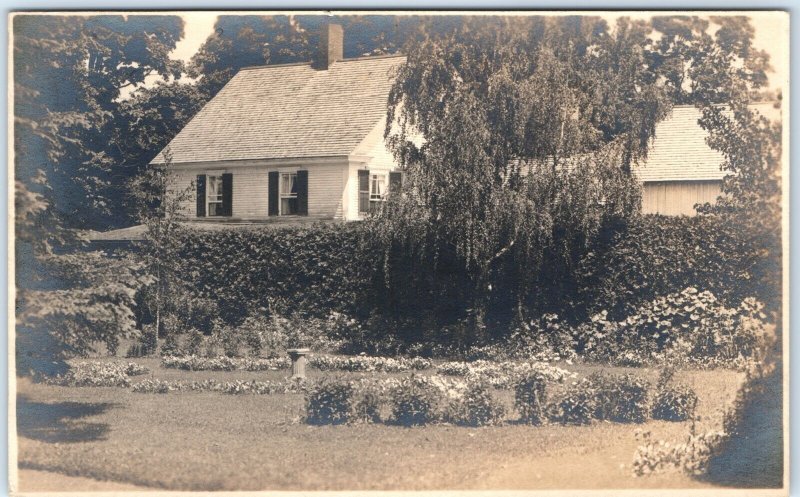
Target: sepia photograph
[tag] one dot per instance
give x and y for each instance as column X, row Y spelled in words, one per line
column 399, row 251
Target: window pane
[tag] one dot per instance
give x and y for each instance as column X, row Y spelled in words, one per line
column 377, row 187
column 288, row 184
column 288, row 206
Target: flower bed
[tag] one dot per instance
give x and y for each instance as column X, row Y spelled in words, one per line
column 368, row 364
column 95, row 374
column 222, row 363
column 229, row 387
column 502, row 375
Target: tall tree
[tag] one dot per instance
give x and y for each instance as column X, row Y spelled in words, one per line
column 529, row 126
column 69, row 75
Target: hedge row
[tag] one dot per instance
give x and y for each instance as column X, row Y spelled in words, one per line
column 314, row 270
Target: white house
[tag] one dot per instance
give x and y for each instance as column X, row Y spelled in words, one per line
column 300, row 141
column 304, row 142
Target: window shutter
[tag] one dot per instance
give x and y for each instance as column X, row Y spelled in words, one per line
column 302, row 192
column 201, row 195
column 272, row 197
column 227, row 194
column 363, row 191
column 395, row 182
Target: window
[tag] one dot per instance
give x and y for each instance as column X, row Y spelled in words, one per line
column 288, row 194
column 377, row 188
column 214, row 196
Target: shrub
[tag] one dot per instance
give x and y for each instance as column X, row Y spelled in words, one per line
column 415, row 401
column 577, row 406
column 368, row 397
column 530, row 398
column 329, row 402
column 675, row 403
column 476, row 407
column 620, row 398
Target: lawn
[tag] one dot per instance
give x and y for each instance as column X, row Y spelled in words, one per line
column 216, row 441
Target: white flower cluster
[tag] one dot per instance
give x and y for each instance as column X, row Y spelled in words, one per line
column 502, row 374
column 368, row 364
column 223, row 363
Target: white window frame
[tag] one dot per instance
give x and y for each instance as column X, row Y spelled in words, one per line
column 217, row 178
column 284, row 195
column 373, row 177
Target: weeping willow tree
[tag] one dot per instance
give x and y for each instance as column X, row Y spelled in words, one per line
column 518, row 137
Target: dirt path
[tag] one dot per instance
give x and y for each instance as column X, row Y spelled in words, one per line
column 31, row 480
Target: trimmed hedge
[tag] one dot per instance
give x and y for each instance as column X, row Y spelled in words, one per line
column 317, row 269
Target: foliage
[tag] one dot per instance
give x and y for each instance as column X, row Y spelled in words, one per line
column 310, row 270
column 415, row 401
column 620, row 398
column 70, row 73
column 530, row 398
column 577, row 406
column 691, row 456
column 502, row 375
column 368, row 364
column 94, row 374
column 674, row 403
column 526, row 154
column 236, row 387
column 93, row 305
column 475, row 407
column 223, row 363
column 659, row 255
column 329, row 401
column 689, row 325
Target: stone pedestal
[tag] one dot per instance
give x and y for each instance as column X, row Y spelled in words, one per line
column 298, row 357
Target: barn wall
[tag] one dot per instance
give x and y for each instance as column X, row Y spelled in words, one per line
column 675, row 198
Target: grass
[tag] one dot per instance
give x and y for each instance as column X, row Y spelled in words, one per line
column 214, row 441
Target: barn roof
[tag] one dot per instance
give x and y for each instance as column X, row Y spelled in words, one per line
column 289, row 111
column 679, row 151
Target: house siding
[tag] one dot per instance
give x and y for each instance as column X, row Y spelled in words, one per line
column 326, row 187
column 675, row 198
column 372, row 154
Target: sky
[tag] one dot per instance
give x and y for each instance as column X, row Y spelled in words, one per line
column 771, row 35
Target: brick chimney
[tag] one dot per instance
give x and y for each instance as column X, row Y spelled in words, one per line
column 331, row 46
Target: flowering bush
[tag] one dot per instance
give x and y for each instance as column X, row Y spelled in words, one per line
column 97, row 374
column 620, row 398
column 223, row 363
column 690, row 326
column 368, row 364
column 475, row 407
column 530, row 397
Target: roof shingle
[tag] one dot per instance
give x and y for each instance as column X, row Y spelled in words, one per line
column 289, row 111
column 679, row 151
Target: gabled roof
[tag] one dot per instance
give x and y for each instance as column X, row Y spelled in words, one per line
column 679, row 151
column 289, row 111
